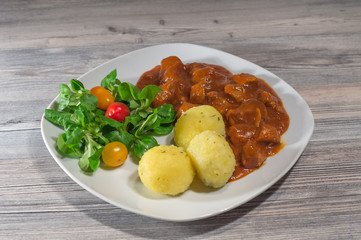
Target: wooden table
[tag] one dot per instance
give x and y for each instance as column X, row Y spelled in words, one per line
column 313, row 45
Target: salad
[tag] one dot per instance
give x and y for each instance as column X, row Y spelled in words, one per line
column 108, row 121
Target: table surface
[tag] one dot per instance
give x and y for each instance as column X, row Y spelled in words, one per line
column 313, row 45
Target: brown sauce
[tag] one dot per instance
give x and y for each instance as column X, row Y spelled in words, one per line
column 253, row 113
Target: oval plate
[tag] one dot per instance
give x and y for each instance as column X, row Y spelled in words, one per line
column 122, row 186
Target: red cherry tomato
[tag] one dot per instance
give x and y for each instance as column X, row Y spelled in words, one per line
column 117, row 111
column 105, row 98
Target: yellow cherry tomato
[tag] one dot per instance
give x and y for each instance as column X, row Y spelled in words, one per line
column 114, row 154
column 105, row 98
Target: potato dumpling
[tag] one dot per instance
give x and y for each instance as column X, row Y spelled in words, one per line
column 166, row 170
column 212, row 157
column 196, row 120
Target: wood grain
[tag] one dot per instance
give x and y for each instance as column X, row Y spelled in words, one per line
column 314, row 45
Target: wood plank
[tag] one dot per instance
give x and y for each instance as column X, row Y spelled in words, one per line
column 312, row 45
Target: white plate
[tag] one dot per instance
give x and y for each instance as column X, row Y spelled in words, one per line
column 122, row 186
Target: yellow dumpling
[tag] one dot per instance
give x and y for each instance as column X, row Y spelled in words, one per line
column 166, row 170
column 196, row 120
column 212, row 157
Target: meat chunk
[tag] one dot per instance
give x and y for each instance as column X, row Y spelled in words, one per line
column 164, row 96
column 218, row 101
column 241, row 133
column 238, row 92
column 150, row 77
column 169, row 62
column 201, row 73
column 173, row 82
column 221, row 70
column 184, row 107
column 243, row 78
column 253, row 155
column 198, row 93
column 171, row 93
column 175, row 72
column 269, row 100
column 268, row 134
column 192, row 67
column 250, row 112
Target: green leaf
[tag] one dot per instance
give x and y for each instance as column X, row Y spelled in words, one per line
column 76, row 85
column 64, row 150
column 56, row 117
column 124, row 92
column 73, row 139
column 94, row 160
column 143, row 144
column 128, row 91
column 69, row 127
column 111, row 122
column 146, row 103
column 148, row 123
column 61, row 143
column 162, row 130
column 110, row 80
column 89, row 101
column 133, row 104
column 82, row 115
column 74, row 100
column 64, row 96
column 123, row 137
column 85, row 160
column 133, row 119
column 166, row 114
column 98, row 112
column 143, row 113
column 149, row 92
